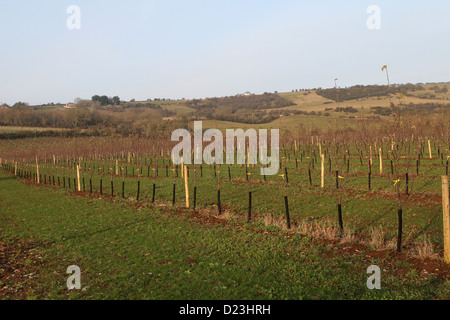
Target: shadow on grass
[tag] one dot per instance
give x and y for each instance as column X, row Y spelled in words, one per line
column 47, row 243
column 8, row 178
column 422, row 231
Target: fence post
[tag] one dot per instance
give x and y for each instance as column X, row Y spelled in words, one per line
column 286, row 174
column 381, row 161
column 182, row 169
column 78, row 178
column 446, row 213
column 288, row 219
column 323, row 171
column 37, row 171
column 429, row 149
column 138, row 190
column 186, row 185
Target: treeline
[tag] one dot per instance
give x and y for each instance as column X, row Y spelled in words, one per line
column 437, row 89
column 257, row 117
column 23, row 134
column 253, row 102
column 142, row 120
column 359, row 92
column 243, row 108
column 410, row 109
column 146, row 106
column 105, row 100
column 346, row 110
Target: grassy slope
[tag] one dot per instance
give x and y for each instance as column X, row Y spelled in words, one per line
column 313, row 102
column 129, row 253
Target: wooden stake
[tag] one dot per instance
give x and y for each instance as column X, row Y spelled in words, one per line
column 381, row 162
column 323, row 170
column 248, row 157
column 182, row 168
column 78, row 178
column 138, row 190
column 37, row 171
column 446, row 213
column 288, row 219
column 429, row 149
column 117, row 167
column 340, row 220
column 186, row 185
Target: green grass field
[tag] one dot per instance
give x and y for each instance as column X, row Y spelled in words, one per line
column 129, row 252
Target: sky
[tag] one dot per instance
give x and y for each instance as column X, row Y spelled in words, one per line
column 146, row 49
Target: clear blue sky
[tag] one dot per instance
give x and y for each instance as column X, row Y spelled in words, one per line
column 203, row 48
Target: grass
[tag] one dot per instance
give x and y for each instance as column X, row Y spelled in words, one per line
column 313, row 102
column 15, row 129
column 307, row 101
column 179, row 108
column 129, row 252
column 362, row 209
column 310, row 101
column 336, row 120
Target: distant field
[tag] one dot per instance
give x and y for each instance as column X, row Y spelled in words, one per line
column 314, row 102
column 180, row 109
column 54, row 107
column 428, row 91
column 306, row 101
column 7, row 129
column 160, row 102
column 335, row 120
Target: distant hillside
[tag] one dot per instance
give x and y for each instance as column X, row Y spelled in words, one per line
column 253, row 101
column 359, row 92
column 411, row 109
column 242, row 108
